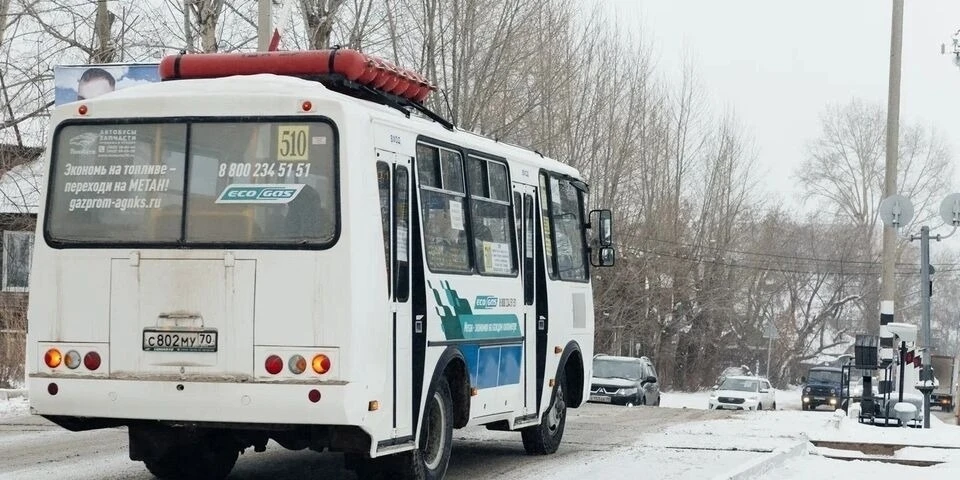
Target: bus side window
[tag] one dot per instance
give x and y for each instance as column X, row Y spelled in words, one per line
column 528, row 229
column 566, row 212
column 383, row 182
column 442, row 202
column 401, row 232
column 493, row 236
column 518, row 223
column 547, row 225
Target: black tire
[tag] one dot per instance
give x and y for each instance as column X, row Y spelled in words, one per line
column 658, row 401
column 759, row 407
column 430, row 459
column 213, row 460
column 544, row 439
column 774, row 406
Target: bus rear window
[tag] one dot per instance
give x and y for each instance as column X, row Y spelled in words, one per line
column 202, row 183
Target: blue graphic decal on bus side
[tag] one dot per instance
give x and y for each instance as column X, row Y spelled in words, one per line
column 460, row 323
column 493, row 366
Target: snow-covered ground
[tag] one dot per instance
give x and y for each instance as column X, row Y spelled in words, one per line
column 13, row 403
column 719, row 446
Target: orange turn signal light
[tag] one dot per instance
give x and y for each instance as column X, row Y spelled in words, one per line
column 52, row 358
column 321, row 364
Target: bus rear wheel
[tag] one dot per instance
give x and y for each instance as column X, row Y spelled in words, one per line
column 430, row 459
column 213, row 460
column 544, row 439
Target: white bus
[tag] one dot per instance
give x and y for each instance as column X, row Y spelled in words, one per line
column 228, row 260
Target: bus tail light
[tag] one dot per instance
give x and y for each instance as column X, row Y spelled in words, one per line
column 274, row 364
column 321, row 364
column 52, row 358
column 72, row 359
column 91, row 360
column 297, row 364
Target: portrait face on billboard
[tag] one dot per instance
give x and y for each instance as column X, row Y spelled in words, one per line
column 95, row 82
column 82, row 82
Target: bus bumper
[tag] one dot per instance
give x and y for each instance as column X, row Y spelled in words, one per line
column 257, row 403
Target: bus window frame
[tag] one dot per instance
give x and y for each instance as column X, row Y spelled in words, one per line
column 554, row 272
column 182, row 243
column 513, row 225
column 465, row 195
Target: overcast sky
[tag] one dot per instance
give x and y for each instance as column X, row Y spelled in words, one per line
column 779, row 63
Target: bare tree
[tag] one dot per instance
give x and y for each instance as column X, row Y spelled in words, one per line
column 319, row 17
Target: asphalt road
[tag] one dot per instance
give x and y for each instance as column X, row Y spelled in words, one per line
column 32, row 448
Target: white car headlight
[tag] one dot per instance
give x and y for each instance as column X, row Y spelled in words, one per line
column 629, row 391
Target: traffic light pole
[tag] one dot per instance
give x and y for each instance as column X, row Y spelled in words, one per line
column 926, row 373
column 903, row 358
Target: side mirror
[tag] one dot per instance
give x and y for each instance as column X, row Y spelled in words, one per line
column 605, row 257
column 716, row 387
column 650, row 379
column 803, row 379
column 601, row 222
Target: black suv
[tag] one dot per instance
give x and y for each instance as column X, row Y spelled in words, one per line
column 823, row 386
column 624, row 381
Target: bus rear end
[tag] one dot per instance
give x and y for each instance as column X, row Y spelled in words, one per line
column 182, row 278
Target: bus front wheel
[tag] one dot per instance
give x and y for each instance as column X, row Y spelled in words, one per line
column 544, row 439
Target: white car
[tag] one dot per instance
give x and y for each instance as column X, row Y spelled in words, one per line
column 743, row 393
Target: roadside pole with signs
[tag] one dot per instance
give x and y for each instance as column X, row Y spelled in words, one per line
column 897, row 211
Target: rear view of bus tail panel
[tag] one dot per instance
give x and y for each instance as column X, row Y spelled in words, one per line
column 182, row 319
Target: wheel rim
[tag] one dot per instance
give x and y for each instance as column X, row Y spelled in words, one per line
column 434, row 426
column 556, row 413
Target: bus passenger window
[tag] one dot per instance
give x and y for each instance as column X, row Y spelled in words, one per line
column 442, row 201
column 383, row 184
column 547, row 225
column 493, row 236
column 401, row 233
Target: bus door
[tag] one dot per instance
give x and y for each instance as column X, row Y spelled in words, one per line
column 393, row 173
column 524, row 208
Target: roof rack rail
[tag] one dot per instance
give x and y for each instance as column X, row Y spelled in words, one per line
column 340, row 69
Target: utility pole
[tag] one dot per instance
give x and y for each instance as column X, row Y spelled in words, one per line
column 264, row 27
column 887, row 287
column 926, row 372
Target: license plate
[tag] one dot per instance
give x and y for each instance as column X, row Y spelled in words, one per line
column 172, row 340
column 599, row 398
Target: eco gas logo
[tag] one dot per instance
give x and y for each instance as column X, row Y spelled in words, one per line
column 485, row 301
column 259, row 193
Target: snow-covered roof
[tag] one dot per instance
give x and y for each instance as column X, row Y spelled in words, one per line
column 20, row 188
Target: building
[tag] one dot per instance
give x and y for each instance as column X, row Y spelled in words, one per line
column 21, row 174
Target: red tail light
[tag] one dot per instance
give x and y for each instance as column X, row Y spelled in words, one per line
column 52, row 358
column 274, row 364
column 91, row 360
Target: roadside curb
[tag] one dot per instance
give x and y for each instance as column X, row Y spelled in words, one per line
column 8, row 393
column 767, row 462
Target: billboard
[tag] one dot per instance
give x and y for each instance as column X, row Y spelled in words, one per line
column 78, row 82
